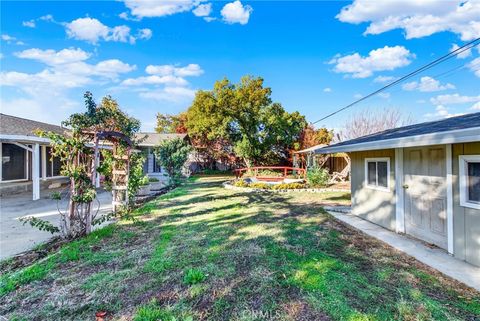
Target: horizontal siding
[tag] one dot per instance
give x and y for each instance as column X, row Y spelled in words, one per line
column 466, row 221
column 373, row 205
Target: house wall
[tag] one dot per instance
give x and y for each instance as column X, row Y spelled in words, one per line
column 466, row 221
column 374, row 205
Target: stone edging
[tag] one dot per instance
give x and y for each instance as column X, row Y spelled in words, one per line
column 229, row 186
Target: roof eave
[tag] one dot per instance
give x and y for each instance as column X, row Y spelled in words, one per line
column 447, row 137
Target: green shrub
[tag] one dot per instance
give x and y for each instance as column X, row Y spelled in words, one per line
column 317, row 177
column 153, row 180
column 144, row 181
column 193, row 276
column 259, row 185
column 288, row 186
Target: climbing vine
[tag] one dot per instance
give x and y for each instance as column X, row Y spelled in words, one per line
column 78, row 151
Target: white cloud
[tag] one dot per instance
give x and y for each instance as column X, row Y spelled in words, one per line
column 474, row 66
column 357, row 96
column 462, row 55
column 88, row 29
column 384, row 95
column 47, row 17
column 453, row 99
column 383, row 79
column 191, row 70
column 235, row 12
column 417, row 18
column 476, row 106
column 172, row 94
column 443, row 112
column 327, row 90
column 155, row 80
column 29, row 24
column 148, row 9
column 144, row 34
column 203, row 10
column 427, row 84
column 9, row 39
column 52, row 57
column 386, row 58
column 92, row 30
column 65, row 69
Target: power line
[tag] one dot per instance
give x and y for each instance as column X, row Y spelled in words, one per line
column 450, row 55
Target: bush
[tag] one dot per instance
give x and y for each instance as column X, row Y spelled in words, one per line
column 259, row 185
column 193, row 276
column 268, row 172
column 172, row 155
column 144, row 181
column 288, row 186
column 153, row 180
column 317, row 177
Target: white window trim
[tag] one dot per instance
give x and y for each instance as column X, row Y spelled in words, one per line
column 376, row 187
column 463, row 161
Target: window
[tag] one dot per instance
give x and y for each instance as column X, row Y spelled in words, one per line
column 469, row 170
column 54, row 165
column 377, row 173
column 14, row 162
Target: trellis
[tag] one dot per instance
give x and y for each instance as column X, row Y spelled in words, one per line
column 121, row 150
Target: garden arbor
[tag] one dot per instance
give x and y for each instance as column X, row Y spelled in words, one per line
column 79, row 152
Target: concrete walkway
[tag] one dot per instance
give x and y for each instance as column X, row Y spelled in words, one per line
column 16, row 237
column 434, row 257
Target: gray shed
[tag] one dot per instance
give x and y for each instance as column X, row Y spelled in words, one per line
column 422, row 180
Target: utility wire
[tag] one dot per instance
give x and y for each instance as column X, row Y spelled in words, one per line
column 450, row 55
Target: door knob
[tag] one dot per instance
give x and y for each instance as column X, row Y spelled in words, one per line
column 405, row 186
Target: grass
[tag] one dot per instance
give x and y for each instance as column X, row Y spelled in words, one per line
column 202, row 252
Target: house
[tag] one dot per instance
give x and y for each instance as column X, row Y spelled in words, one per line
column 422, row 180
column 147, row 143
column 26, row 161
column 27, row 164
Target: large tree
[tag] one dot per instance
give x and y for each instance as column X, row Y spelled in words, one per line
column 259, row 131
column 171, row 124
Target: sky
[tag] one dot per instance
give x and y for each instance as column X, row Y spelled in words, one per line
column 317, row 56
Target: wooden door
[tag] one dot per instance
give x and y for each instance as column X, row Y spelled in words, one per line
column 425, row 194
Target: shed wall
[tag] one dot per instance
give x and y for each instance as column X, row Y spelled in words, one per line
column 376, row 206
column 466, row 221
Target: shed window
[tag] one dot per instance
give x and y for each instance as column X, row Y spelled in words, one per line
column 470, row 181
column 377, row 172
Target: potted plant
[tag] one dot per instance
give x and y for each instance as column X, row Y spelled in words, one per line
column 144, row 188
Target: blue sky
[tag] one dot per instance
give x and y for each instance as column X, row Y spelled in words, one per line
column 317, row 56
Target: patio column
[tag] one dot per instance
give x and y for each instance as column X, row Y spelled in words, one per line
column 36, row 171
column 44, row 162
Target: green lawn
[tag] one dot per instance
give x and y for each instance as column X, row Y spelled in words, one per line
column 205, row 253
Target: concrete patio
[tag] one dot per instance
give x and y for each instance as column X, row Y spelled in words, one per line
column 434, row 257
column 16, row 237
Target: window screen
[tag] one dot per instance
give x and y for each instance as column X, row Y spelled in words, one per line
column 473, row 181
column 382, row 174
column 13, row 162
column 372, row 173
column 49, row 162
column 56, row 166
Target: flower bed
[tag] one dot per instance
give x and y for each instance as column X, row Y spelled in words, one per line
column 258, row 186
